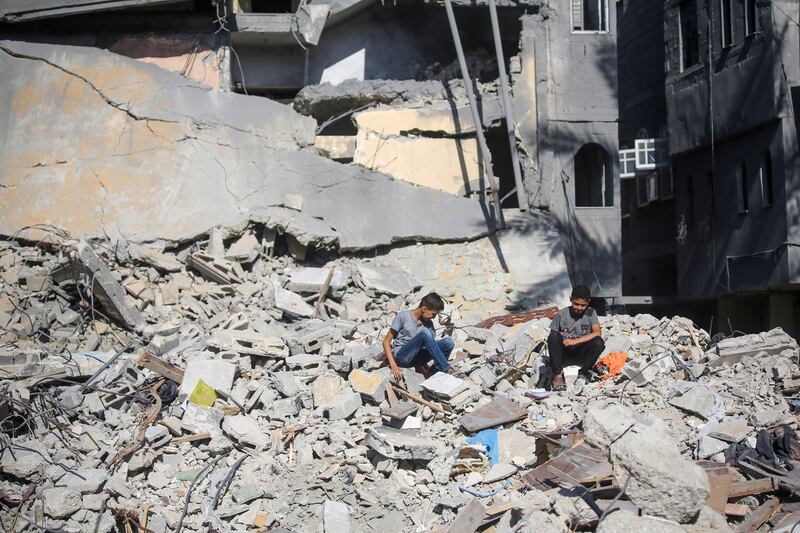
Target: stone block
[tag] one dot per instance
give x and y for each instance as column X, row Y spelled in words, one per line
column 61, row 502
column 84, row 481
column 443, row 385
column 335, row 517
column 292, row 303
column 311, row 280
column 695, row 398
column 325, row 388
column 249, row 342
column 198, row 419
column 402, row 444
column 245, row 249
column 284, row 408
column 387, row 280
column 25, row 464
column 304, row 360
column 623, row 521
column 371, row 385
column 246, row 430
column 731, row 430
column 342, row 406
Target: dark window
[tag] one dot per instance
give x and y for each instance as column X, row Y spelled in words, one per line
column 726, row 23
column 689, row 200
column 712, row 203
column 741, row 183
column 750, row 24
column 690, row 50
column 765, row 175
column 589, row 15
column 594, row 178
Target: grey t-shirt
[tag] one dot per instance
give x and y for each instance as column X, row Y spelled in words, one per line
column 407, row 327
column 572, row 328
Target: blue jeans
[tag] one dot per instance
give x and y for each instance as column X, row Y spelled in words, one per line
column 423, row 347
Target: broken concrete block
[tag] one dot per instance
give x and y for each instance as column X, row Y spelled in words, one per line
column 245, row 249
column 198, row 419
column 217, row 374
column 84, row 481
column 370, row 385
column 246, row 430
column 304, row 360
column 336, row 147
column 443, row 385
column 694, row 398
column 335, row 517
column 731, row 430
column 661, row 482
column 499, row 472
column 402, row 444
column 249, row 342
column 60, row 502
column 325, row 388
column 710, row 446
column 342, row 406
column 623, row 520
column 25, row 464
column 514, row 446
column 155, row 258
column 161, row 344
column 292, row 303
column 387, row 280
column 732, row 350
column 157, row 435
column 639, row 372
column 285, row 408
column 108, row 293
column 769, row 417
column 616, row 343
column 311, row 280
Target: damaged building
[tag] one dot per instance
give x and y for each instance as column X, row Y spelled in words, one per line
column 385, row 98
column 708, row 164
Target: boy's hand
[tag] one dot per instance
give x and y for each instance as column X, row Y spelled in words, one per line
column 569, row 342
column 398, row 376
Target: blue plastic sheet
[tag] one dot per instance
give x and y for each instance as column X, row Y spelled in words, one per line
column 488, row 438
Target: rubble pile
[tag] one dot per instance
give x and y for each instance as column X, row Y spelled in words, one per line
column 224, row 386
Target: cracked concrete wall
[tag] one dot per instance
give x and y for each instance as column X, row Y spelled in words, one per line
column 100, row 144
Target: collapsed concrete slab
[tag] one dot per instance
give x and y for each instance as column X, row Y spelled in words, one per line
column 223, row 159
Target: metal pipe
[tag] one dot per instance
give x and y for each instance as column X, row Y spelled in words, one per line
column 522, row 197
column 473, row 105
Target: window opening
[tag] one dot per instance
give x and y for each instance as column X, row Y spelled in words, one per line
column 590, row 15
column 594, row 177
column 647, row 188
column 741, row 182
column 690, row 49
column 726, row 29
column 750, row 19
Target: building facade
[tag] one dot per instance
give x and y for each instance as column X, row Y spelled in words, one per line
column 730, row 75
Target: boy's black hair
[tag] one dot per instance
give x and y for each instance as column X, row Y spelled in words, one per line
column 581, row 292
column 432, row 301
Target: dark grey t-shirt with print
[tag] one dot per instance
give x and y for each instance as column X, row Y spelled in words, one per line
column 571, row 326
column 407, row 327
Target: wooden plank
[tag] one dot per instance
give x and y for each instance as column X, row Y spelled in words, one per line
column 752, row 487
column 500, row 508
column 736, row 510
column 469, row 519
column 160, row 367
column 720, row 487
column 190, row 438
column 760, row 516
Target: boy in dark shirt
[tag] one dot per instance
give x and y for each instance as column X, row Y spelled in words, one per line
column 411, row 341
column 574, row 338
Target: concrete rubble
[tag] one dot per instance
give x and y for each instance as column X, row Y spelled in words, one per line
column 265, row 403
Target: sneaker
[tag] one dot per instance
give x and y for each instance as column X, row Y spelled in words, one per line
column 558, row 383
column 425, row 370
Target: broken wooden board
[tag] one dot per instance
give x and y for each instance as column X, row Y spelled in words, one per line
column 581, row 463
column 469, row 519
column 160, row 367
column 753, row 487
column 760, row 516
column 719, row 490
column 499, row 411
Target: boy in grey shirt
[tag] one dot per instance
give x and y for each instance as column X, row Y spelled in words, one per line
column 411, row 341
column 574, row 338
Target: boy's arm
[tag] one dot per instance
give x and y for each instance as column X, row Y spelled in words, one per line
column 387, row 349
column 596, row 332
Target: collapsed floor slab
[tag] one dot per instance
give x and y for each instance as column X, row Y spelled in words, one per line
column 130, row 150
